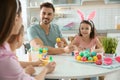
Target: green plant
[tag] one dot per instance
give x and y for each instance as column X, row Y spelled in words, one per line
column 109, row 44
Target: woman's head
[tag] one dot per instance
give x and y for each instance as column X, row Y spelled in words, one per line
column 17, row 39
column 10, row 16
column 87, row 28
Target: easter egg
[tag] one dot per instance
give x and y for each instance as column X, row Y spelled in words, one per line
column 78, row 57
column 44, row 51
column 86, row 55
column 93, row 53
column 84, row 59
column 76, row 53
column 58, row 39
column 81, row 54
column 95, row 58
column 40, row 50
column 98, row 62
column 99, row 56
column 86, row 52
column 90, row 59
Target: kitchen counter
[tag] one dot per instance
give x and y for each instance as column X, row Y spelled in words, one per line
column 114, row 32
column 98, row 31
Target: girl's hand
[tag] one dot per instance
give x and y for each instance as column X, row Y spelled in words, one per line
column 69, row 48
column 29, row 70
column 37, row 63
column 50, row 67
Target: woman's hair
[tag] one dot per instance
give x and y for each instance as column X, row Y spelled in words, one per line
column 93, row 30
column 13, row 37
column 47, row 5
column 8, row 11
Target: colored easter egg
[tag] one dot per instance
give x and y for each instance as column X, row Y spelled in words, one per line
column 40, row 50
column 90, row 59
column 86, row 52
column 44, row 51
column 81, row 54
column 99, row 62
column 84, row 59
column 76, row 53
column 95, row 58
column 58, row 39
column 93, row 53
column 99, row 56
column 78, row 57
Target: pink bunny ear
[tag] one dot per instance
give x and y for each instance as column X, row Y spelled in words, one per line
column 91, row 15
column 80, row 14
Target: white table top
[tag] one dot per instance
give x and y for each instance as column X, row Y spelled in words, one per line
column 67, row 68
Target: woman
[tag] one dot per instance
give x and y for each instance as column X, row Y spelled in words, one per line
column 10, row 23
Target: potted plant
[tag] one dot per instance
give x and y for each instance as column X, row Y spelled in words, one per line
column 109, row 44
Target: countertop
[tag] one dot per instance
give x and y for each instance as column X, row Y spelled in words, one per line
column 98, row 31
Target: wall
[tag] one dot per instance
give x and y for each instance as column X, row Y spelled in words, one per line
column 105, row 15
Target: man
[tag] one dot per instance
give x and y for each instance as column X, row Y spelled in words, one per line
column 45, row 33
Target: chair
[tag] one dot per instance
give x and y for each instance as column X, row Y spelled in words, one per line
column 27, row 47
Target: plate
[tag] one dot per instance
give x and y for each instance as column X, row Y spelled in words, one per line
column 85, row 61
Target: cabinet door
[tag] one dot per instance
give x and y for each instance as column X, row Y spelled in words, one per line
column 62, row 2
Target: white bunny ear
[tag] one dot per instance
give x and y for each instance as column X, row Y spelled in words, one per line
column 80, row 14
column 91, row 15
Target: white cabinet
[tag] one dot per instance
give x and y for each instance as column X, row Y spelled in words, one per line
column 64, row 2
column 33, row 7
column 115, row 35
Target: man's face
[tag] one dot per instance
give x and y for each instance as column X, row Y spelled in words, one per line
column 46, row 15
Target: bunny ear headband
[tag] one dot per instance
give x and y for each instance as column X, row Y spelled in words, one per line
column 90, row 16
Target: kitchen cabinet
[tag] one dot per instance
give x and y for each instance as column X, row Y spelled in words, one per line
column 33, row 8
column 64, row 2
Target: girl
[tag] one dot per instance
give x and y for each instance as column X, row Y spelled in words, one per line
column 15, row 42
column 86, row 38
column 10, row 23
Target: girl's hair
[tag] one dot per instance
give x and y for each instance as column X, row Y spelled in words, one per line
column 47, row 5
column 13, row 37
column 9, row 9
column 93, row 30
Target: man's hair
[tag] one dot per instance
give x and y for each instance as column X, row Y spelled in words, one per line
column 47, row 5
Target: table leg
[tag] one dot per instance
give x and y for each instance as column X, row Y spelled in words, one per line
column 101, row 77
column 65, row 79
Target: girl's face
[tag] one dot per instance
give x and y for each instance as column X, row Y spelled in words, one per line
column 20, row 40
column 85, row 29
column 17, row 24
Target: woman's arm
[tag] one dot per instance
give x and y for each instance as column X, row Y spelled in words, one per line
column 48, row 69
column 25, row 64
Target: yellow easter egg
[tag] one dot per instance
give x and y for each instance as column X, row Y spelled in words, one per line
column 95, row 58
column 44, row 51
column 58, row 39
column 78, row 58
column 39, row 56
